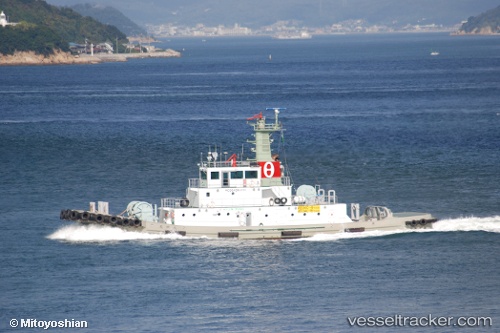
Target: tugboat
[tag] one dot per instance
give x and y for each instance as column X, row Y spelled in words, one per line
column 249, row 199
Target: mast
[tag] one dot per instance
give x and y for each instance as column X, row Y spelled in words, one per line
column 270, row 165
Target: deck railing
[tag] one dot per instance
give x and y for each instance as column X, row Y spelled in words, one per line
column 171, row 202
column 196, row 183
column 228, row 164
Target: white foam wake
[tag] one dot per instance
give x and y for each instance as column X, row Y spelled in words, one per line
column 95, row 233
column 488, row 224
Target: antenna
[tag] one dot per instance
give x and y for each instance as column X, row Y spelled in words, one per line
column 276, row 113
column 210, row 157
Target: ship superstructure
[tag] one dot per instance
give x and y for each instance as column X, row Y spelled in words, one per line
column 251, row 198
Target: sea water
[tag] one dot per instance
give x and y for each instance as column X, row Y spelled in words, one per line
column 376, row 118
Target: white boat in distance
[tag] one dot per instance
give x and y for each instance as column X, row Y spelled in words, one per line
column 301, row 35
column 250, row 199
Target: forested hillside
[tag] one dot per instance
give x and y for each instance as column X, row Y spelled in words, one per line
column 488, row 22
column 43, row 27
column 29, row 37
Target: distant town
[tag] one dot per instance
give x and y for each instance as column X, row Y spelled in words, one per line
column 292, row 30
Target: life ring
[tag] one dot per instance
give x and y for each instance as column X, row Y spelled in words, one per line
column 85, row 216
column 423, row 222
column 271, row 202
column 99, row 218
column 113, row 220
column 126, row 221
column 283, row 200
column 184, row 202
column 277, row 201
column 137, row 223
column 413, row 222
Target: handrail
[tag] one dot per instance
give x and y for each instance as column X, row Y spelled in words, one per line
column 267, row 126
column 171, row 202
column 196, row 183
column 227, row 164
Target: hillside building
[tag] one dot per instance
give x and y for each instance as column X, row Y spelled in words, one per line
column 3, row 20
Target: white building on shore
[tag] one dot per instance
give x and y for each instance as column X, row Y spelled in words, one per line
column 4, row 21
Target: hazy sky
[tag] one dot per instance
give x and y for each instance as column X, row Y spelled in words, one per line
column 311, row 12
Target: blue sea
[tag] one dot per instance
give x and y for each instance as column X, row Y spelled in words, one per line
column 375, row 117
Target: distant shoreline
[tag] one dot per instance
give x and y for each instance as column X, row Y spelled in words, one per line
column 459, row 33
column 65, row 58
column 449, row 32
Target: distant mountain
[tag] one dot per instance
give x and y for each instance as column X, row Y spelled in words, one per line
column 111, row 16
column 44, row 28
column 312, row 13
column 486, row 23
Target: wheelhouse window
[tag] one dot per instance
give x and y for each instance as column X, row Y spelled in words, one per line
column 214, row 175
column 251, row 175
column 236, row 174
column 203, row 175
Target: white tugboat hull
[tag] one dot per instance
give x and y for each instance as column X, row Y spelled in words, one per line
column 399, row 221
